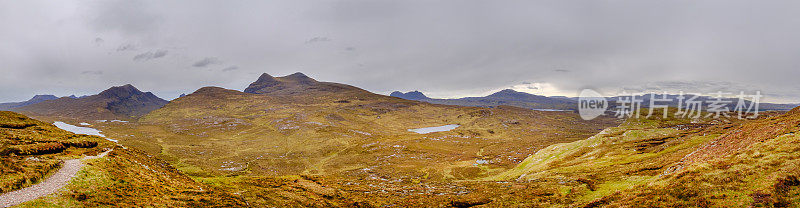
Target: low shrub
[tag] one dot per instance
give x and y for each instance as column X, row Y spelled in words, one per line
column 35, row 149
column 79, row 143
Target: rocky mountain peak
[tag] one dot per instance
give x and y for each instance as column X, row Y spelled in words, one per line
column 269, row 84
column 124, row 91
column 413, row 95
column 299, row 78
column 40, row 98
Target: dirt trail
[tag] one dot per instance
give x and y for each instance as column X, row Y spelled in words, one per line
column 50, row 185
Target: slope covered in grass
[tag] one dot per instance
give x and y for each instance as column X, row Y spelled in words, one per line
column 359, row 142
column 675, row 162
column 31, row 149
column 753, row 164
column 129, row 178
column 284, row 128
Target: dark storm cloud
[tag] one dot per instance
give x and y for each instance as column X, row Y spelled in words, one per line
column 206, row 61
column 443, row 48
column 150, row 55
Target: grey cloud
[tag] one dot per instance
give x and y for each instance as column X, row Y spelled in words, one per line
column 230, row 68
column 318, row 39
column 694, row 87
column 150, row 55
column 96, row 72
column 127, row 47
column 206, row 61
column 127, row 17
column 447, row 48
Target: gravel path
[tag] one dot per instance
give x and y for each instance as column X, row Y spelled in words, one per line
column 50, row 185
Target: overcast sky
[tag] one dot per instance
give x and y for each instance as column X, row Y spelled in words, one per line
column 443, row 48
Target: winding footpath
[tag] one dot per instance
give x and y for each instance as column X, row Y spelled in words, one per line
column 50, row 185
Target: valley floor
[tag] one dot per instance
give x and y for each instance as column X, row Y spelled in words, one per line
column 650, row 162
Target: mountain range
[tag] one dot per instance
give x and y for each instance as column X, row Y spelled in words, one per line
column 126, row 102
column 297, row 83
column 34, row 100
column 295, row 125
column 504, row 97
column 293, row 141
column 526, row 100
column 120, row 102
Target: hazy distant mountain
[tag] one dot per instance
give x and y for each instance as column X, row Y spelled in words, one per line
column 413, row 95
column 511, row 95
column 73, row 96
column 526, row 100
column 34, row 100
column 504, row 97
column 119, row 102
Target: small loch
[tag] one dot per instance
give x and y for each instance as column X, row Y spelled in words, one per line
column 434, row 129
column 80, row 130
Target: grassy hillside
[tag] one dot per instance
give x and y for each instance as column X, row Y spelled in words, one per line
column 345, row 136
column 674, row 162
column 755, row 163
column 297, row 142
column 126, row 177
column 284, row 146
column 355, row 150
column 32, row 149
column 218, row 131
column 129, row 178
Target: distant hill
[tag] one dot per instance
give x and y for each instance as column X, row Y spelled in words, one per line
column 34, row 100
column 511, row 95
column 525, row 100
column 121, row 102
column 300, row 125
column 413, row 95
column 297, row 83
column 507, row 97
